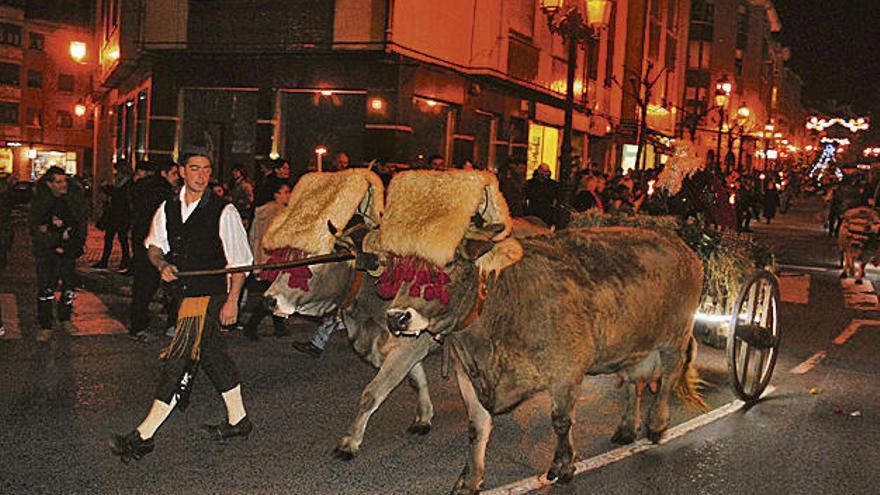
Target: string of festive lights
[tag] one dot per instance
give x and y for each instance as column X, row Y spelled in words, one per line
column 854, row 125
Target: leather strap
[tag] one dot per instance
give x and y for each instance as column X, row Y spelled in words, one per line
column 353, row 290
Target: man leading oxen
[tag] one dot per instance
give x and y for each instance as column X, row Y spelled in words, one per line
column 538, row 314
column 335, row 211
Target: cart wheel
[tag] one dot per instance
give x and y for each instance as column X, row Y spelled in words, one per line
column 753, row 342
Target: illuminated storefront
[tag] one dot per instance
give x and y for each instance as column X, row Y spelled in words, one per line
column 543, row 148
column 47, row 158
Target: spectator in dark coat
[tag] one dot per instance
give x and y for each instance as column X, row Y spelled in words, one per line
column 542, row 195
column 512, row 184
column 280, row 174
column 117, row 219
column 148, row 193
column 771, row 201
column 58, row 230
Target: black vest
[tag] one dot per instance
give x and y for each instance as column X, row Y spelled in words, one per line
column 196, row 245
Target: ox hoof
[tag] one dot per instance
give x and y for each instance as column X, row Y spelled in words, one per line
column 655, row 435
column 419, row 429
column 623, row 436
column 561, row 473
column 343, row 455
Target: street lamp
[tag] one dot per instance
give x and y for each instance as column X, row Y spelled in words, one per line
column 565, row 18
column 723, row 89
column 77, row 51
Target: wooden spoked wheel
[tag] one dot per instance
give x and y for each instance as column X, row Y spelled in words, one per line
column 754, row 336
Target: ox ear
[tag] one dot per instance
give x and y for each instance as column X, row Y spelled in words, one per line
column 472, row 249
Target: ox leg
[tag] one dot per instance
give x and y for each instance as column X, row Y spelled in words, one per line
column 671, row 362
column 397, row 365
column 562, row 469
column 425, row 410
column 861, row 270
column 630, row 422
column 479, row 428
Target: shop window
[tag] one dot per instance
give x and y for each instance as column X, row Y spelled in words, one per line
column 35, row 79
column 141, row 126
column 10, row 34
column 10, row 74
column 38, row 41
column 64, row 120
column 65, row 83
column 8, row 112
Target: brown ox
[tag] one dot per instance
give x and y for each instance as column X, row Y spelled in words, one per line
column 592, row 301
column 857, row 240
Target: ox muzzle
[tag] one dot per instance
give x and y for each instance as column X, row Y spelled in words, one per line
column 405, row 322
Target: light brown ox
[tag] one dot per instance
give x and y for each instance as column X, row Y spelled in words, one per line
column 857, row 241
column 592, row 301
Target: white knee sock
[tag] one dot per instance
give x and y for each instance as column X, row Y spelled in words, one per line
column 159, row 412
column 234, row 405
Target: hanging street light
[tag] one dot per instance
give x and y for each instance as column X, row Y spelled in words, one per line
column 578, row 23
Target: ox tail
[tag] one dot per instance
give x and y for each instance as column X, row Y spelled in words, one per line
column 689, row 383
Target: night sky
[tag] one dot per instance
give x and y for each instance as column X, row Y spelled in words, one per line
column 835, row 48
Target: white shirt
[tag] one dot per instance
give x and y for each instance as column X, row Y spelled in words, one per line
column 232, row 234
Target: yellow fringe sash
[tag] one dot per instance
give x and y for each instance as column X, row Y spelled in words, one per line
column 190, row 323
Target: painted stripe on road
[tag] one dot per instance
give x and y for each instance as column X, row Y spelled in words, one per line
column 809, row 364
column 853, row 327
column 794, row 288
column 91, row 317
column 805, row 268
column 860, row 297
column 621, row 453
column 10, row 316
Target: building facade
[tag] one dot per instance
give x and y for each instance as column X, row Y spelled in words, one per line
column 733, row 40
column 44, row 116
column 378, row 79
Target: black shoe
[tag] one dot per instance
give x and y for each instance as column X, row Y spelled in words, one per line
column 131, row 446
column 308, row 348
column 221, row 431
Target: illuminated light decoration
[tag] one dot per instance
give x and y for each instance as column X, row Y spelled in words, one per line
column 113, row 53
column 274, row 155
column 863, row 166
column 32, row 153
column 732, row 199
column 578, row 86
column 79, row 109
column 377, row 104
column 13, row 144
column 809, row 147
column 854, row 125
column 651, row 187
column 744, row 112
column 840, row 141
column 772, row 154
column 822, row 167
column 77, row 51
column 321, row 150
column 326, row 92
column 657, row 110
column 872, row 152
column 431, row 103
column 762, row 176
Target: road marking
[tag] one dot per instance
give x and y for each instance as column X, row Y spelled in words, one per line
column 806, row 268
column 9, row 305
column 621, row 453
column 860, row 297
column 809, row 364
column 853, row 327
column 91, row 317
column 794, row 288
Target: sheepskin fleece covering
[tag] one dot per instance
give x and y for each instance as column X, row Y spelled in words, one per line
column 429, row 212
column 319, row 197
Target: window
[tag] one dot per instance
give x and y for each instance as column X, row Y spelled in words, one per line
column 35, row 79
column 522, row 17
column 699, row 54
column 10, row 34
column 10, row 74
column 64, row 120
column 742, row 26
column 34, row 117
column 65, row 83
column 38, row 41
column 703, row 11
column 8, row 112
column 695, row 100
column 609, row 57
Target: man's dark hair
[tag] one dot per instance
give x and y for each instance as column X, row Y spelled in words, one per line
column 146, row 166
column 192, row 150
column 164, row 165
column 51, row 172
column 276, row 186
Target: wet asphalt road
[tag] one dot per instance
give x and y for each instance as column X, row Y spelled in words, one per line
column 59, row 402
